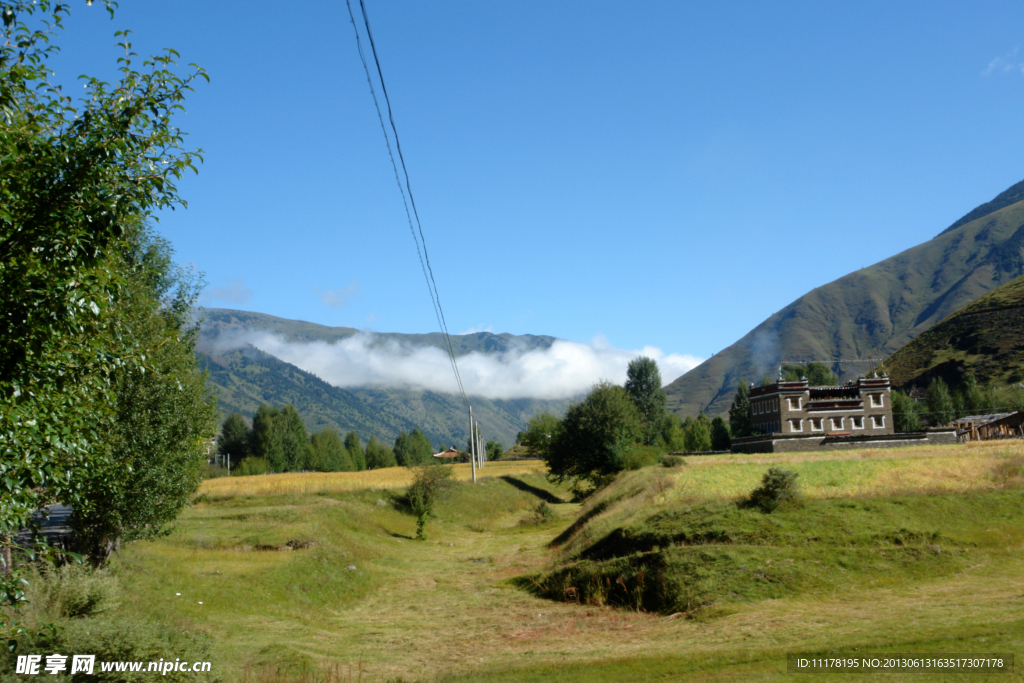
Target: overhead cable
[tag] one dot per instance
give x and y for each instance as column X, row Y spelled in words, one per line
column 406, row 189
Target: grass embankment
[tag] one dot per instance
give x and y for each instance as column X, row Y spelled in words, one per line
column 917, row 550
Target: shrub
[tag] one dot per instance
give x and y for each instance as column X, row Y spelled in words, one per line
column 74, row 590
column 251, row 466
column 778, row 486
column 430, row 484
column 542, row 514
column 672, row 461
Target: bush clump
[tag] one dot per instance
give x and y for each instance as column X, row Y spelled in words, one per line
column 778, row 487
column 430, row 484
column 542, row 514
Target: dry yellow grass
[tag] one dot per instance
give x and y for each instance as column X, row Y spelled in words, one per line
column 318, row 482
column 864, row 472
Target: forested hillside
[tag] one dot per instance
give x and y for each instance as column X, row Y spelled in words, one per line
column 985, row 338
column 245, row 378
column 872, row 312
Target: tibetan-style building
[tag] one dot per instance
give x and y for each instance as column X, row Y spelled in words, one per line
column 794, row 416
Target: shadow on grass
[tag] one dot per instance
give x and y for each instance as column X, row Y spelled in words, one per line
column 561, row 538
column 546, row 496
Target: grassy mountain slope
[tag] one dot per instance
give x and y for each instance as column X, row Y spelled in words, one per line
column 246, row 378
column 985, row 337
column 872, row 312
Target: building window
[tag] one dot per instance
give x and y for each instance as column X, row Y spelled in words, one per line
column 816, row 424
column 794, row 403
column 878, row 421
column 837, row 423
column 876, row 400
column 796, row 425
column 857, row 422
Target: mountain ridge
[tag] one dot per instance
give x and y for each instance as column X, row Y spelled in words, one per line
column 244, row 377
column 871, row 312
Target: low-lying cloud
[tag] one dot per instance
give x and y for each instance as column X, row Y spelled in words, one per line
column 563, row 370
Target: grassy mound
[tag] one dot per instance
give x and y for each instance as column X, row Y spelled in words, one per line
column 688, row 557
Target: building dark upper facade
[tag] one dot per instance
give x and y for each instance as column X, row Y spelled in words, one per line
column 863, row 407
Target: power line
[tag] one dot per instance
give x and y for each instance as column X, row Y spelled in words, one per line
column 406, row 191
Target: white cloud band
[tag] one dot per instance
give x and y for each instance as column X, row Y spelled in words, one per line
column 563, row 370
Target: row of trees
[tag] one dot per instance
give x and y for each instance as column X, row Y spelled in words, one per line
column 941, row 405
column 278, row 442
column 101, row 405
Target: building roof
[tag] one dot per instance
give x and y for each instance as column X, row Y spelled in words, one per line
column 452, row 452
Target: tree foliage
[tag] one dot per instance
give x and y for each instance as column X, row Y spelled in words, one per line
column 327, row 453
column 643, row 382
column 905, row 413
column 413, row 449
column 541, row 430
column 817, row 374
column 163, row 411
column 721, row 435
column 355, row 451
column 697, row 434
column 739, row 412
column 430, row 484
column 379, row 455
column 233, row 440
column 940, row 404
column 75, row 179
column 494, row 450
column 597, row 436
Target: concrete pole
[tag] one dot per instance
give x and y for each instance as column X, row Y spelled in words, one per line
column 472, row 443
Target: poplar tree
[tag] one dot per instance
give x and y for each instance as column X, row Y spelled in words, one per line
column 739, row 412
column 940, row 404
column 643, row 382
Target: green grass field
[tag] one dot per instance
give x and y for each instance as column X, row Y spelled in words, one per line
column 907, row 550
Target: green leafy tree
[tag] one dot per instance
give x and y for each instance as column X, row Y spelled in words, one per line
column 413, row 449
column 905, row 414
column 327, row 453
column 673, row 433
column 970, row 398
column 817, row 374
column 697, row 434
column 541, row 431
column 233, row 440
column 267, row 439
column 596, row 438
column 940, row 404
column 74, row 177
column 494, row 450
column 721, row 437
column 164, row 413
column 294, row 439
column 355, row 451
column 378, row 455
column 431, row 484
column 643, row 382
column 739, row 412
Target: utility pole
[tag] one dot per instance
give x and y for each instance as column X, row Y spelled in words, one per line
column 472, row 443
column 481, row 451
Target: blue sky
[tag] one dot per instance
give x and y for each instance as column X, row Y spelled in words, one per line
column 659, row 173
